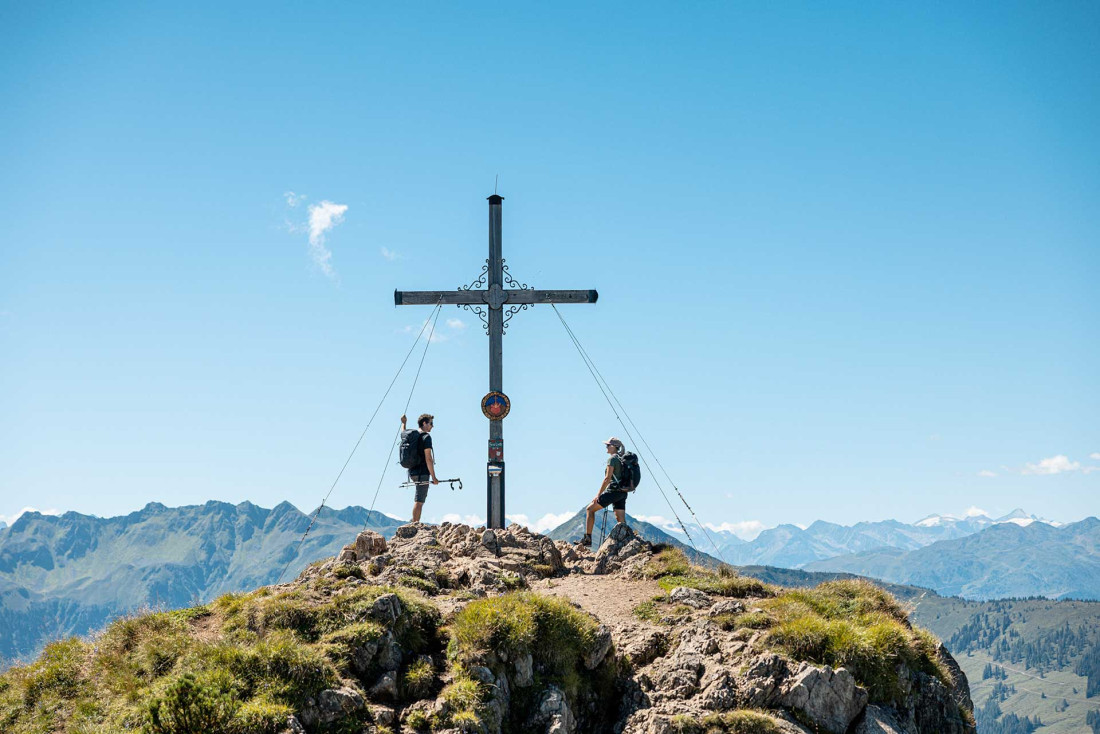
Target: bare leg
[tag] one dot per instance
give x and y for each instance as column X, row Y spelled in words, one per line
column 591, row 520
column 417, row 507
column 620, row 515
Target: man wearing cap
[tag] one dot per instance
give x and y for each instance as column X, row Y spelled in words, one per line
column 609, row 493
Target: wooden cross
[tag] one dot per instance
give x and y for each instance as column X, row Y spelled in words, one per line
column 496, row 290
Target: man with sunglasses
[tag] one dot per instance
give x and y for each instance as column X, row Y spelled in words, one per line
column 424, row 471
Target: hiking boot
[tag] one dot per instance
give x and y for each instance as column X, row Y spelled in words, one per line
column 586, row 541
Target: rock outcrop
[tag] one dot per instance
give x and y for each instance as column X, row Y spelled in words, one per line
column 666, row 677
column 425, row 633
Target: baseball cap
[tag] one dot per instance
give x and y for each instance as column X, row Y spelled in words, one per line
column 614, row 442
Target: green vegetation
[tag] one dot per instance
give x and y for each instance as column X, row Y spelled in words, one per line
column 239, row 665
column 753, row 620
column 1034, row 647
column 671, row 568
column 554, row 633
column 418, row 680
column 741, row 721
column 647, row 611
column 856, row 625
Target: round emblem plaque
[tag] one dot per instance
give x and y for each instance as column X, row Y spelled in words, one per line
column 495, row 406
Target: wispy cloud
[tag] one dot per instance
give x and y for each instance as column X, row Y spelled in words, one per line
column 746, row 530
column 389, row 254
column 1059, row 464
column 293, row 199
column 323, row 218
column 456, row 324
column 1095, row 456
column 436, row 336
column 549, row 521
column 987, row 473
column 10, row 519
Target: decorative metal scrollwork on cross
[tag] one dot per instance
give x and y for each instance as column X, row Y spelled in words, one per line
column 508, row 279
column 481, row 279
column 512, row 311
column 478, row 283
column 480, row 314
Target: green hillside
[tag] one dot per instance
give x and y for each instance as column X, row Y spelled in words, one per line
column 1032, row 658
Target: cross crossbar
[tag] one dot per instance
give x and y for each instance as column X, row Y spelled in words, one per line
column 482, row 297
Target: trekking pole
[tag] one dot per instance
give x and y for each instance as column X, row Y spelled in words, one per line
column 603, row 527
column 452, row 482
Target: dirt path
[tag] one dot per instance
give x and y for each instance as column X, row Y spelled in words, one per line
column 610, row 598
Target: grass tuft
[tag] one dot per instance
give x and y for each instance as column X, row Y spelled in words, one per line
column 856, row 625
column 418, row 680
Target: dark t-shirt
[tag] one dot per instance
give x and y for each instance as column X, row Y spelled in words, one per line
column 421, row 469
column 616, row 463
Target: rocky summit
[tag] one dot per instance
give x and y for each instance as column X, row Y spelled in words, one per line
column 452, row 628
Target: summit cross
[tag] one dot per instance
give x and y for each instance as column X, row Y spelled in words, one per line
column 503, row 296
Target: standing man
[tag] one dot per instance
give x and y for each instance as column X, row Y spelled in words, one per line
column 424, row 470
column 609, row 493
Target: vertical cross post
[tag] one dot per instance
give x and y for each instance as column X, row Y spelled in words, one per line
column 494, row 512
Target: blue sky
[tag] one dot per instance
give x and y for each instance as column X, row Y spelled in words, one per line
column 847, row 256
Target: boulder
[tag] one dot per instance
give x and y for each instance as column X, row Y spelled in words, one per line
column 600, row 648
column 293, row 726
column 334, row 704
column 553, row 712
column 524, row 674
column 385, row 688
column 692, row 597
column 726, row 606
column 879, row 720
column 369, row 544
column 830, row 698
column 387, row 609
column 645, row 647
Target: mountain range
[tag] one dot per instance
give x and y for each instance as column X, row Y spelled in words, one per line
column 68, row 574
column 791, row 546
column 1003, row 561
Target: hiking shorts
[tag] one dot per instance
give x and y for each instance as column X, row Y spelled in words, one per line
column 614, row 497
column 422, row 481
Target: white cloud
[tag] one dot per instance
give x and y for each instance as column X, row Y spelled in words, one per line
column 10, row 519
column 549, row 521
column 973, row 511
column 436, row 335
column 1054, row 465
column 987, row 473
column 745, row 530
column 1095, row 456
column 323, row 218
column 293, row 199
column 389, row 254
column 456, row 324
column 472, row 520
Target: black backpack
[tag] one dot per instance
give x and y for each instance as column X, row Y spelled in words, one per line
column 631, row 474
column 409, row 455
